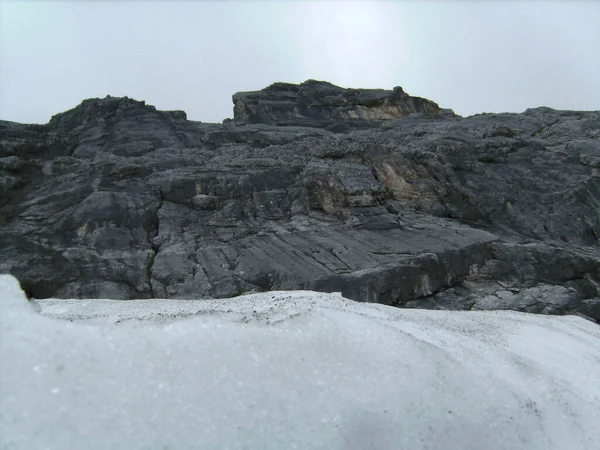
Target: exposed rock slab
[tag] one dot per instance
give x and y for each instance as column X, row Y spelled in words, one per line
column 322, row 104
column 115, row 199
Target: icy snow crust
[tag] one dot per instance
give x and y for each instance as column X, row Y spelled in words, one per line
column 291, row 370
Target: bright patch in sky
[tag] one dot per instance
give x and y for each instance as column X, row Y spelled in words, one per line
column 474, row 57
column 347, row 43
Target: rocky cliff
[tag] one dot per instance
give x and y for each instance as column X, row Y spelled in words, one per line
column 324, row 105
column 382, row 196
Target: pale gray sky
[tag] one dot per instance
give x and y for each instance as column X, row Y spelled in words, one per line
column 472, row 56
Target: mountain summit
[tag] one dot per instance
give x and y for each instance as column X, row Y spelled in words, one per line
column 319, row 103
column 375, row 194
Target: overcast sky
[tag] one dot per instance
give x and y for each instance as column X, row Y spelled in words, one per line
column 472, row 56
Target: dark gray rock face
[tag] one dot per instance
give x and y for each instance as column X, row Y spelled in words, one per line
column 322, row 104
column 115, row 199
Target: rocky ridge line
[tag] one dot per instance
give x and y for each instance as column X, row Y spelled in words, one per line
column 379, row 195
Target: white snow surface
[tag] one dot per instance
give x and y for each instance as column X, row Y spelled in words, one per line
column 284, row 370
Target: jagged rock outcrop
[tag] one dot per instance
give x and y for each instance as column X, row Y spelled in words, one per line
column 116, row 199
column 324, row 105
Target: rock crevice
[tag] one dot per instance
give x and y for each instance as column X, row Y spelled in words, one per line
column 374, row 193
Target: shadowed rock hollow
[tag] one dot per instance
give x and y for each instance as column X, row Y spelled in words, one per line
column 379, row 195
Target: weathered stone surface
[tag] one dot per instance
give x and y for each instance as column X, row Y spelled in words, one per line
column 496, row 211
column 322, row 104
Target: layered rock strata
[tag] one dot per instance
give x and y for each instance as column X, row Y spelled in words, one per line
column 382, row 196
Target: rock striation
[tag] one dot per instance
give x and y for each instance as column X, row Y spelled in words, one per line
column 324, row 105
column 381, row 196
